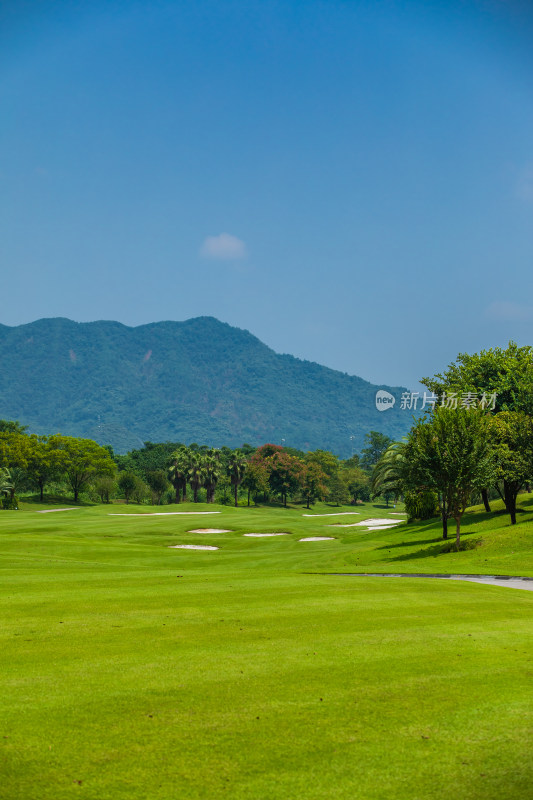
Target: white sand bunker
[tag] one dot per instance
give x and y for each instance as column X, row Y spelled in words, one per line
column 317, row 539
column 379, row 527
column 51, row 510
column 377, row 523
column 344, row 525
column 335, row 514
column 399, row 513
column 163, row 513
column 192, row 547
column 209, row 530
column 260, row 535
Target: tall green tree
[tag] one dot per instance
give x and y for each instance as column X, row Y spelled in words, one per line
column 358, row 483
column 81, row 461
column 158, row 483
column 376, row 444
column 285, row 474
column 256, row 478
column 127, row 483
column 236, row 470
column 313, row 482
column 512, row 434
column 178, row 471
column 105, row 487
column 451, row 452
column 390, row 472
column 43, row 463
column 195, row 472
column 502, row 378
column 211, row 472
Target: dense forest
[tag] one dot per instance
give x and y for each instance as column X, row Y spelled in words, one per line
column 195, row 381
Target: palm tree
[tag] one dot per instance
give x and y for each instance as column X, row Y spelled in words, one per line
column 211, row 472
column 195, row 473
column 236, row 469
column 178, row 472
column 390, row 472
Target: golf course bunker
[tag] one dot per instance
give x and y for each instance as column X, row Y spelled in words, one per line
column 192, row 547
column 377, row 523
column 317, row 539
column 334, row 514
column 510, row 581
column 53, row 510
column 345, row 524
column 379, row 527
column 163, row 513
column 209, row 530
column 262, row 535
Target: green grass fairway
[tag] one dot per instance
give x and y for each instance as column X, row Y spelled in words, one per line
column 130, row 670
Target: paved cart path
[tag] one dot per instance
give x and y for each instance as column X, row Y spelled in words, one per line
column 511, row 581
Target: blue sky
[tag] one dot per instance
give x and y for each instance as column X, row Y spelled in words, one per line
column 350, row 181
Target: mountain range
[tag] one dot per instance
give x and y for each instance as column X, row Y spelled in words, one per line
column 200, row 380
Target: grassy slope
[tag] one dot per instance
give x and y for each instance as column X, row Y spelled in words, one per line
column 146, row 672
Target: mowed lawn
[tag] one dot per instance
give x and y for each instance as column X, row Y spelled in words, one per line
column 132, row 670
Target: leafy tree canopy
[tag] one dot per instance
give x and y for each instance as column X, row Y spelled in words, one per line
column 375, row 445
column 507, row 372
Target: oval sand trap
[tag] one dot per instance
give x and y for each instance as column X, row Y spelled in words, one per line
column 317, row 539
column 345, row 525
column 209, row 530
column 192, row 547
column 379, row 527
column 376, row 523
column 52, row 510
column 261, row 535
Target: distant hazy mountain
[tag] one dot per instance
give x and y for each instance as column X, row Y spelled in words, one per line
column 199, row 380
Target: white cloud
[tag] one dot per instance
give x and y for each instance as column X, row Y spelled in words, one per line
column 223, row 247
column 503, row 310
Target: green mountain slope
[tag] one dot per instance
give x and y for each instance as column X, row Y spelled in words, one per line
column 200, row 380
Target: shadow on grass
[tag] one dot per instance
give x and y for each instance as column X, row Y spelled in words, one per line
column 408, row 544
column 54, row 500
column 441, row 547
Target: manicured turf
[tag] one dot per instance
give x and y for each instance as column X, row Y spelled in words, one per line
column 133, row 670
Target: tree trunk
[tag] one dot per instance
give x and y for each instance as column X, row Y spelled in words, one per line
column 485, row 496
column 457, row 532
column 195, row 493
column 236, row 501
column 184, row 495
column 41, row 487
column 509, row 495
column 444, row 519
column 307, row 501
column 178, row 495
column 249, row 496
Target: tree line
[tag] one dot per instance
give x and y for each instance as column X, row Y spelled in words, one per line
column 460, row 450
column 457, row 452
column 172, row 472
